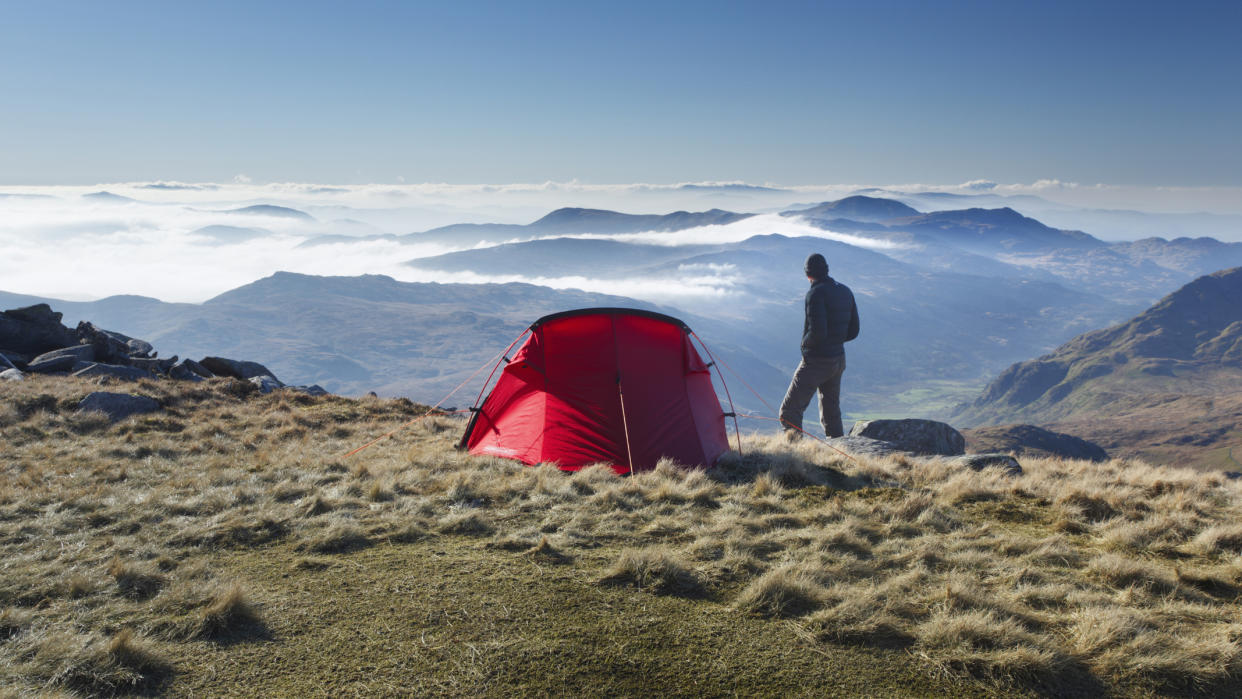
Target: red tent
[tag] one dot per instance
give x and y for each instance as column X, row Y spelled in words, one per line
column 612, row 385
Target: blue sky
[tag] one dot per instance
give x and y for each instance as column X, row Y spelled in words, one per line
column 785, row 92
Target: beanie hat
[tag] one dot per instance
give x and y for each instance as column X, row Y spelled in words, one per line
column 816, row 266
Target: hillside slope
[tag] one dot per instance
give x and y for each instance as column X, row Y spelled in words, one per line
column 223, row 546
column 1168, row 380
column 369, row 333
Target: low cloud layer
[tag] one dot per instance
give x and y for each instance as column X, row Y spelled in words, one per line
column 61, row 242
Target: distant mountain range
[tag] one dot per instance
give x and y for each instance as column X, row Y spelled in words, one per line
column 567, row 221
column 270, row 210
column 918, row 325
column 359, row 334
column 856, row 208
column 1166, row 384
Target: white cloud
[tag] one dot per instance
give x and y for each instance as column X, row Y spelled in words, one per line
column 763, row 224
column 979, row 185
column 59, row 243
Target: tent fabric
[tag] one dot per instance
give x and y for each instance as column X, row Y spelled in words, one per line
column 560, row 399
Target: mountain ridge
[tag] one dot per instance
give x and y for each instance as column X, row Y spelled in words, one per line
column 1173, row 372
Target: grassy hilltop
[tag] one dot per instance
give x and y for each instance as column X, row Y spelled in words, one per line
column 223, row 546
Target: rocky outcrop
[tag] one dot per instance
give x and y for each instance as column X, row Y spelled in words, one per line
column 109, row 347
column 312, row 390
column 117, row 406
column 925, row 437
column 234, row 368
column 978, row 462
column 1029, row 440
column 61, row 360
column 189, row 370
column 919, row 439
column 116, row 371
column 33, row 340
column 33, row 330
column 266, row 383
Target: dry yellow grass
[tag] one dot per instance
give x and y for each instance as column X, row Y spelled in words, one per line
column 1073, row 577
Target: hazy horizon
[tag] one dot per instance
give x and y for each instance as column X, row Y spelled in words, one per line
column 65, row 244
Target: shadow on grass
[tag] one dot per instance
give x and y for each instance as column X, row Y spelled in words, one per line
column 785, row 468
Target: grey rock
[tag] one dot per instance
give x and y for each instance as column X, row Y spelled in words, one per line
column 189, row 370
column 266, row 384
column 13, row 360
column 61, row 363
column 312, row 390
column 153, row 366
column 978, row 462
column 140, row 348
column 12, row 375
column 109, row 347
column 221, row 366
column 865, row 446
column 915, row 436
column 79, row 353
column 38, row 313
column 118, row 406
column 1029, row 440
column 33, row 330
column 116, row 371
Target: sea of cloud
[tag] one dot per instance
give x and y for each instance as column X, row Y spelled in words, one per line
column 148, row 239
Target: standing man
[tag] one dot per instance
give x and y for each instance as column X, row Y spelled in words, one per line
column 831, row 321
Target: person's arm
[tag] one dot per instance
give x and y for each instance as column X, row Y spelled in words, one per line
column 853, row 330
column 818, row 313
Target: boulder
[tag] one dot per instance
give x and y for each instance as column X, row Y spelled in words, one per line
column 116, row 371
column 865, row 446
column 13, row 360
column 40, row 313
column 1029, row 440
column 914, row 436
column 235, row 368
column 33, row 330
column 153, row 366
column 978, row 462
column 118, row 406
column 108, row 346
column 79, row 353
column 312, row 390
column 266, row 384
column 189, row 370
column 12, row 375
column 140, row 348
column 51, row 365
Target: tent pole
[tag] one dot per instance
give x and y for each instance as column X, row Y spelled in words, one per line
column 737, row 433
column 625, row 425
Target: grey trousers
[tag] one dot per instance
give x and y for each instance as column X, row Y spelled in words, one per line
column 816, row 373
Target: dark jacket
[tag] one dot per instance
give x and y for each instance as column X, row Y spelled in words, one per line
column 831, row 319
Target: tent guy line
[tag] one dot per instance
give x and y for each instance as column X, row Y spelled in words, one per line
column 440, row 402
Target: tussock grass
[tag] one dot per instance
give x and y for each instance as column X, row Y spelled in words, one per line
column 1117, row 573
column 89, row 663
column 134, row 581
column 468, row 523
column 654, row 569
column 226, row 613
column 339, row 537
column 786, row 591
